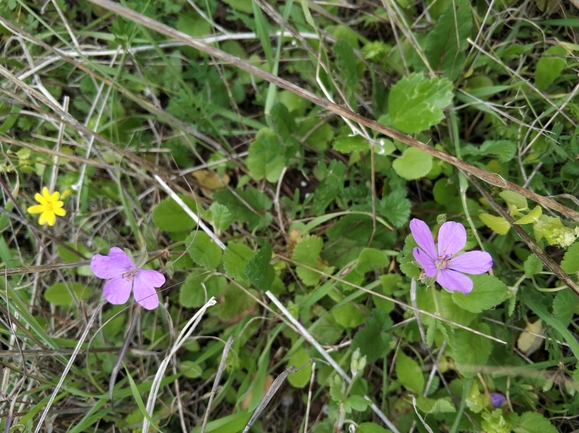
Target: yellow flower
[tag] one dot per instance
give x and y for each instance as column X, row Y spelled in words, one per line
column 49, row 207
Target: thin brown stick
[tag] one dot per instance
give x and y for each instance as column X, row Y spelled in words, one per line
column 491, row 178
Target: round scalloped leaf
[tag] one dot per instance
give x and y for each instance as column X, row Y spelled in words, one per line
column 413, row 164
column 169, row 216
column 488, row 292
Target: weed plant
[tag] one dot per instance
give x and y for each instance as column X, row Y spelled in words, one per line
column 289, row 216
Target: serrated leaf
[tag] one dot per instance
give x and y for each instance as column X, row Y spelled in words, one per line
column 370, row 259
column 488, row 292
column 570, row 262
column 409, row 373
column 416, row 103
column 256, row 217
column 170, row 217
column 198, row 287
column 532, row 266
column 220, row 216
column 258, row 270
column 413, row 164
column 203, row 250
column 348, row 316
column 284, row 126
column 503, row 149
column 534, row 422
column 60, row 293
column 235, row 258
column 470, row 350
column 300, row 378
column 266, row 156
column 351, row 143
column 307, row 252
column 373, row 340
column 356, row 402
column 446, row 43
column 497, row 224
column 550, row 66
column 430, row 405
column 395, row 207
column 236, row 302
column 565, row 305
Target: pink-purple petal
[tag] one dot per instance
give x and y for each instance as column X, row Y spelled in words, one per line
column 454, row 281
column 425, row 261
column 149, row 278
column 145, row 295
column 472, row 262
column 113, row 265
column 423, row 237
column 117, row 290
column 451, row 238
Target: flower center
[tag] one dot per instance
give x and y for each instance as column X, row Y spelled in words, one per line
column 130, row 274
column 443, row 260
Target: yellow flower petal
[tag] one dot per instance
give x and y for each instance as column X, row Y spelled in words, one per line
column 60, row 212
column 46, row 193
column 50, row 218
column 36, row 209
column 40, row 199
column 55, row 196
column 42, row 219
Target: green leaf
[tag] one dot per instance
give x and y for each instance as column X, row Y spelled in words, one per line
column 256, row 217
column 550, row 66
column 170, row 217
column 300, row 378
column 220, row 216
column 413, row 164
column 370, row 259
column 356, row 402
column 395, row 207
column 416, row 103
column 284, row 126
column 307, row 252
column 570, row 262
column 409, row 373
column 533, row 265
column 347, row 62
column 373, row 340
column 351, row 143
column 235, row 258
column 488, row 292
column 533, row 422
column 503, row 149
column 236, row 302
column 515, row 199
column 258, row 270
column 565, row 305
column 446, row 43
column 370, row 427
column 430, row 405
column 199, row 287
column 497, row 224
column 470, row 350
column 60, row 293
column 266, row 156
column 348, row 316
column 203, row 250
column 241, row 5
column 190, row 369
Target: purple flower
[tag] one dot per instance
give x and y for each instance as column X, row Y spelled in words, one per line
column 125, row 277
column 497, row 399
column 446, row 266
